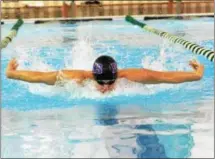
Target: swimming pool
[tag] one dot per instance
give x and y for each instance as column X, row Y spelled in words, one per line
column 135, row 120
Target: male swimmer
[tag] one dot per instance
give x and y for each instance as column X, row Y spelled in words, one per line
column 105, row 74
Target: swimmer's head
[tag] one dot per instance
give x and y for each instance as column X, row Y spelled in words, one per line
column 105, row 70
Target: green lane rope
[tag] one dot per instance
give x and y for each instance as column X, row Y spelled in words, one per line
column 12, row 33
column 175, row 39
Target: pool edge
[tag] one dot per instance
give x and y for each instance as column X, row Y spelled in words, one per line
column 109, row 18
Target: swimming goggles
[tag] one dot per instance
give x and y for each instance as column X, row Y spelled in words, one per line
column 103, row 82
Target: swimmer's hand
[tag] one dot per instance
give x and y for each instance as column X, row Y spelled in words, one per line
column 12, row 66
column 198, row 68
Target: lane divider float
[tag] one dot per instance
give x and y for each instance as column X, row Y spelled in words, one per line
column 12, row 33
column 196, row 49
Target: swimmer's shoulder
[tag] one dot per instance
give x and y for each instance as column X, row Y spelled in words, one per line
column 88, row 74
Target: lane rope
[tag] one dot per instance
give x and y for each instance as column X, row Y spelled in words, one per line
column 12, row 33
column 196, row 49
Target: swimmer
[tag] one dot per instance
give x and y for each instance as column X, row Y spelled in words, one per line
column 105, row 74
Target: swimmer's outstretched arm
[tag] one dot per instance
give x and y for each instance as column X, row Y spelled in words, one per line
column 49, row 78
column 147, row 76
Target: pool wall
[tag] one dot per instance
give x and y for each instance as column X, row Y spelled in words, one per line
column 51, row 9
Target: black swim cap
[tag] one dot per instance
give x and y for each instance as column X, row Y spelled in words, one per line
column 105, row 70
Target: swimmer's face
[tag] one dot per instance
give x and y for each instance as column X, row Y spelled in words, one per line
column 105, row 87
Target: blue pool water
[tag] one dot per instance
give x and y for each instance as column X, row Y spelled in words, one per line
column 135, row 120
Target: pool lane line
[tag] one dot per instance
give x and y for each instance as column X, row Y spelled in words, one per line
column 196, row 49
column 12, row 33
column 179, row 17
column 73, row 20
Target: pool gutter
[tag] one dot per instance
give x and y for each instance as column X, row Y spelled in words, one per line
column 109, row 18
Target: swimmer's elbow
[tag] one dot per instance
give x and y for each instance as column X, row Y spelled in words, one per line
column 12, row 75
column 197, row 77
column 9, row 74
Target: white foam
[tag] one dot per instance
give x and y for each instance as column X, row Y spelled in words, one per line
column 81, row 57
column 30, row 60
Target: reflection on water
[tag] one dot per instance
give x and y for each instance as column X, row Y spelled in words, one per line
column 150, row 145
column 106, row 115
column 101, row 131
column 143, row 140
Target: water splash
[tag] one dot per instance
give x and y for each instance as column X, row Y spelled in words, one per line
column 30, row 60
column 82, row 55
